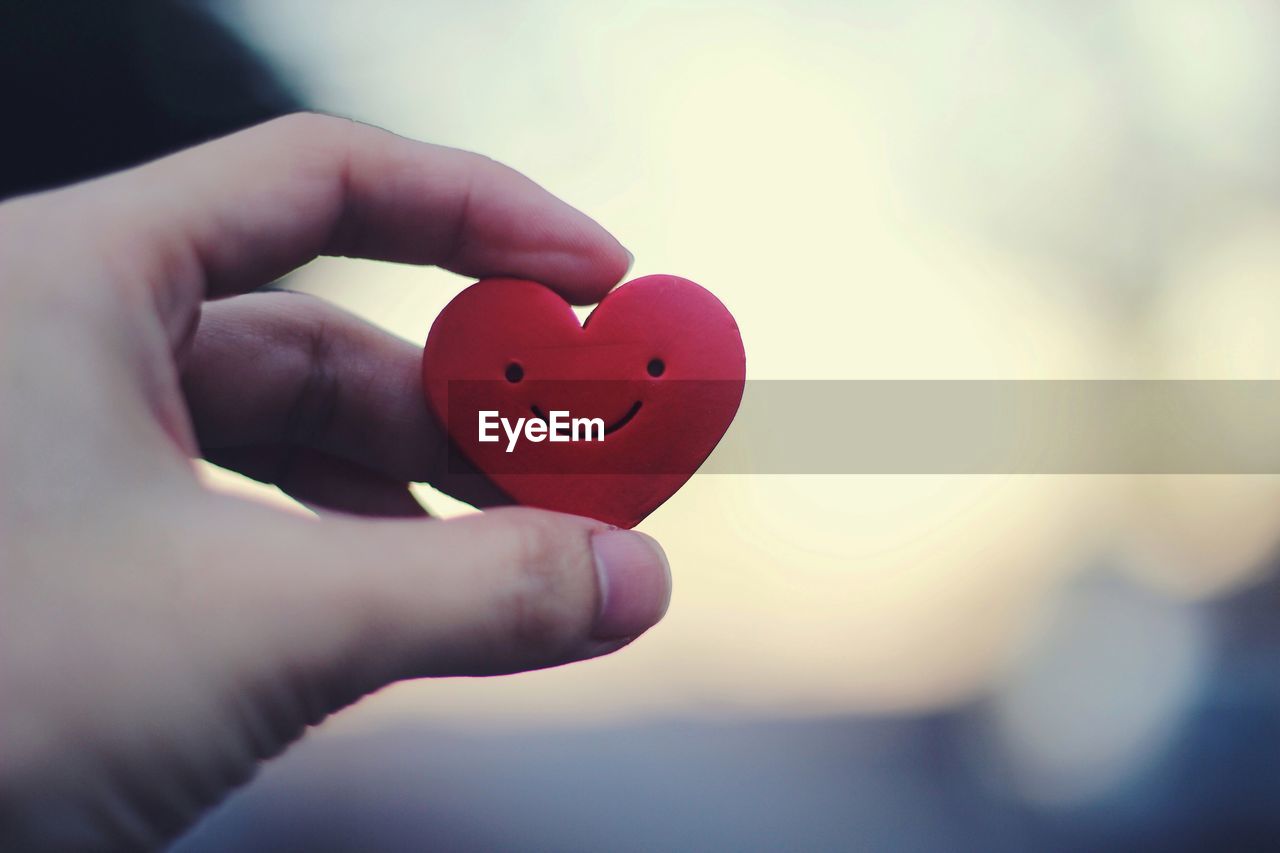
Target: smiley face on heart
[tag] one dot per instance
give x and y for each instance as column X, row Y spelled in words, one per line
column 658, row 366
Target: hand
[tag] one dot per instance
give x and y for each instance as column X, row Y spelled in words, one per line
column 158, row 640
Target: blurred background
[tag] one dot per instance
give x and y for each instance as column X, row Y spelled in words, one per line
column 878, row 189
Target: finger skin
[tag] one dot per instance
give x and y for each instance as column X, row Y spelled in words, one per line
column 282, row 369
column 320, row 481
column 231, row 215
column 505, row 591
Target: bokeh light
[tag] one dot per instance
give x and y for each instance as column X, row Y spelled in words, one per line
column 877, row 190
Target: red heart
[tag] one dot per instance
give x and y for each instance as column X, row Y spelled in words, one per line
column 659, row 361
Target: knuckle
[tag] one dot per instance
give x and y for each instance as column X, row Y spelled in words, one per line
column 289, row 317
column 319, row 397
column 307, row 126
column 297, row 327
column 322, row 140
column 306, row 143
column 547, row 607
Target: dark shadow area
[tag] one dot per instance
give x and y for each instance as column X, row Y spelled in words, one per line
column 93, row 87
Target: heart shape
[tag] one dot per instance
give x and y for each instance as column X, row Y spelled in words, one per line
column 659, row 363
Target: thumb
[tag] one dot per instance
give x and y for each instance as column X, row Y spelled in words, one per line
column 356, row 604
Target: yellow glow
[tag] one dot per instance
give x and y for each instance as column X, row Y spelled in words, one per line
column 924, row 191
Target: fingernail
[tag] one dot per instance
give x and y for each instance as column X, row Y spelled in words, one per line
column 631, row 259
column 635, row 583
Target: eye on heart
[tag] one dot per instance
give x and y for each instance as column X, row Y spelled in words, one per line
column 515, row 373
column 654, row 376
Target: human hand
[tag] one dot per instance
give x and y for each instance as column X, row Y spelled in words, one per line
column 158, row 640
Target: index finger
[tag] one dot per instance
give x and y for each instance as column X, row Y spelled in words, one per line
column 233, row 214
